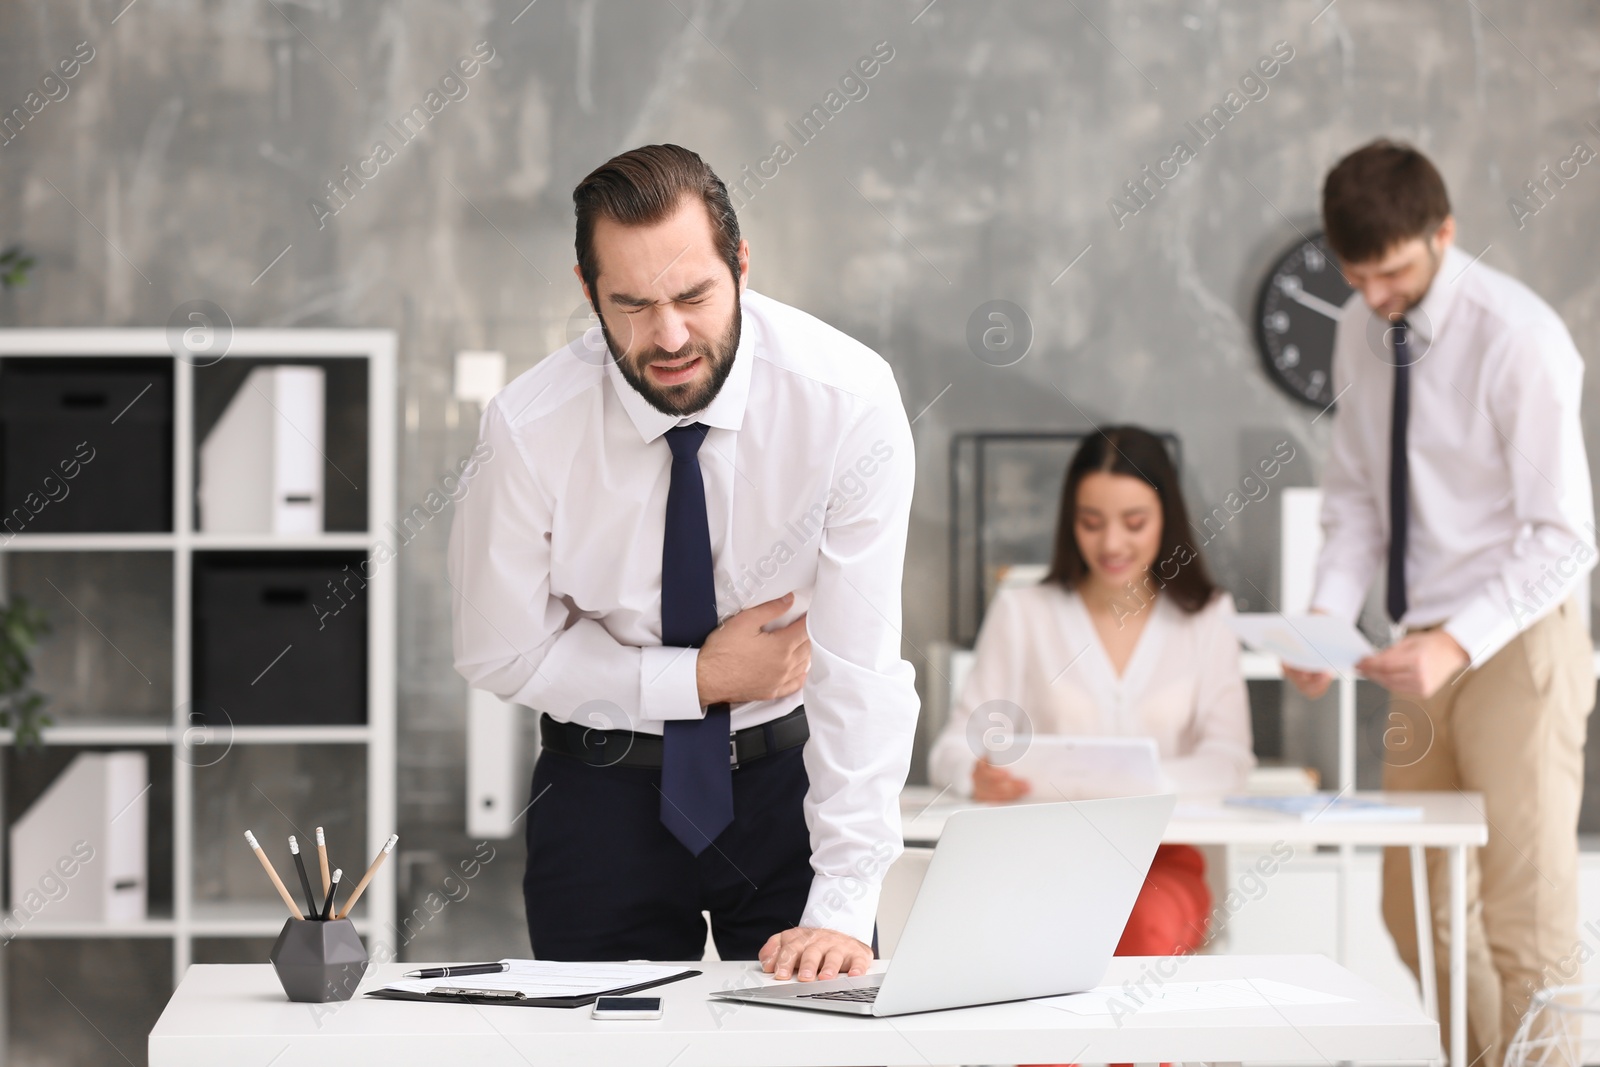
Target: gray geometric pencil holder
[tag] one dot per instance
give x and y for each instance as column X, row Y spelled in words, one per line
column 319, row 961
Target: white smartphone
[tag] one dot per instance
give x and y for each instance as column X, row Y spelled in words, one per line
column 626, row 1008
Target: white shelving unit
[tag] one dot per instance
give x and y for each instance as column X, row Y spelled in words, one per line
column 191, row 919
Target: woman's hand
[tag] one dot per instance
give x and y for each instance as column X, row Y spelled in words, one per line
column 996, row 784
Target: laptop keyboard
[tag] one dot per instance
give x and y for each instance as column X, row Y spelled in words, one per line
column 862, row 995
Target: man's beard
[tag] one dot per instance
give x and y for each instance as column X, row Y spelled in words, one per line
column 690, row 397
column 1413, row 299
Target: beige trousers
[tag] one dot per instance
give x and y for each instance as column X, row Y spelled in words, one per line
column 1513, row 730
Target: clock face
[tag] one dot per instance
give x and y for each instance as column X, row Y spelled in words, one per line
column 1295, row 318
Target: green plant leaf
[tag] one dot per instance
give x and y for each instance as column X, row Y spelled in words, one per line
column 14, row 267
column 21, row 625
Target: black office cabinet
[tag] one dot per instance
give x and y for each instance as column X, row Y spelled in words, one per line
column 85, row 445
column 280, row 638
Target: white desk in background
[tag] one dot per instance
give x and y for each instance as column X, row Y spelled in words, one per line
column 236, row 1014
column 1452, row 821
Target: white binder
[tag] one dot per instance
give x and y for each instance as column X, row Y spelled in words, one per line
column 497, row 777
column 261, row 466
column 78, row 853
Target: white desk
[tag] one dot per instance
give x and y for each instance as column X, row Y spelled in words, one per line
column 1452, row 821
column 238, row 1015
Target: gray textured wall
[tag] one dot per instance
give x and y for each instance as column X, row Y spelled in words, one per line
column 977, row 166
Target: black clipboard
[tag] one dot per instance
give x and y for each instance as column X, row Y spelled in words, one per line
column 522, row 1002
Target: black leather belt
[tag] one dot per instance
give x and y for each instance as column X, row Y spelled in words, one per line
column 625, row 748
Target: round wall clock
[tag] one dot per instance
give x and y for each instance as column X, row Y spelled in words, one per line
column 1296, row 312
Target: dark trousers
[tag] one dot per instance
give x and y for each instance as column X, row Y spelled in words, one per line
column 606, row 880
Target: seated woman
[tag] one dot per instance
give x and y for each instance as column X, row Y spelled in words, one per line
column 1126, row 636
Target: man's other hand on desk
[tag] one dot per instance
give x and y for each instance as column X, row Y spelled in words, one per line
column 992, row 784
column 809, row 952
column 740, row 661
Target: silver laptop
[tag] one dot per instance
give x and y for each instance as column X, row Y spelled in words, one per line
column 1022, row 901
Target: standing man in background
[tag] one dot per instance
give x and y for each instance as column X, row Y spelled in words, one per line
column 665, row 520
column 1457, row 459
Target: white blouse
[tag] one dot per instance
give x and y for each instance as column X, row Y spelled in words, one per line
column 1182, row 686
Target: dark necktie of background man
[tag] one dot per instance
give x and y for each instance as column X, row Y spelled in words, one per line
column 696, row 781
column 1395, row 600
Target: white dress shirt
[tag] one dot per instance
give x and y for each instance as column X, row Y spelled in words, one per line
column 1182, row 686
column 555, row 563
column 1501, row 515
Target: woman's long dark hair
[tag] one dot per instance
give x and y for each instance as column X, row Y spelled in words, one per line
column 1179, row 570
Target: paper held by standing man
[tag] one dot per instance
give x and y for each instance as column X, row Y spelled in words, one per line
column 1309, row 642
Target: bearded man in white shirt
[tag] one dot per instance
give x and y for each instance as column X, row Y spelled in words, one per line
column 691, row 518
column 1458, row 461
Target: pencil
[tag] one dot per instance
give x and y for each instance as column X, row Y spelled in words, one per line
column 322, row 858
column 333, row 887
column 361, row 886
column 276, row 881
column 305, row 883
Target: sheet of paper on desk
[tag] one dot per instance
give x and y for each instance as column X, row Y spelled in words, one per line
column 548, row 978
column 1191, row 996
column 1310, row 642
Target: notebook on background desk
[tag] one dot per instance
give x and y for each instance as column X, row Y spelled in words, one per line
column 1328, row 807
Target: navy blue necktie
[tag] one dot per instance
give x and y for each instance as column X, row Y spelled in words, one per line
column 696, row 781
column 1395, row 599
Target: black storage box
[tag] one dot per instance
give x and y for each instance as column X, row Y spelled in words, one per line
column 85, row 445
column 280, row 638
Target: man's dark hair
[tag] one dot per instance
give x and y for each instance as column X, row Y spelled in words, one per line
column 1379, row 195
column 1137, row 453
column 644, row 186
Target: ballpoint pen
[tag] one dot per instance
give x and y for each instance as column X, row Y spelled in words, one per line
column 459, row 970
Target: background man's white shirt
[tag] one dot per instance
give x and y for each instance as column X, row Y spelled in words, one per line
column 1501, row 520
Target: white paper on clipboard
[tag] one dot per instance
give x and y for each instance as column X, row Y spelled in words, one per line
column 1310, row 642
column 1064, row 767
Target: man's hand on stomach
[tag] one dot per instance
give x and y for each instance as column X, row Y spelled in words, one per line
column 741, row 662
